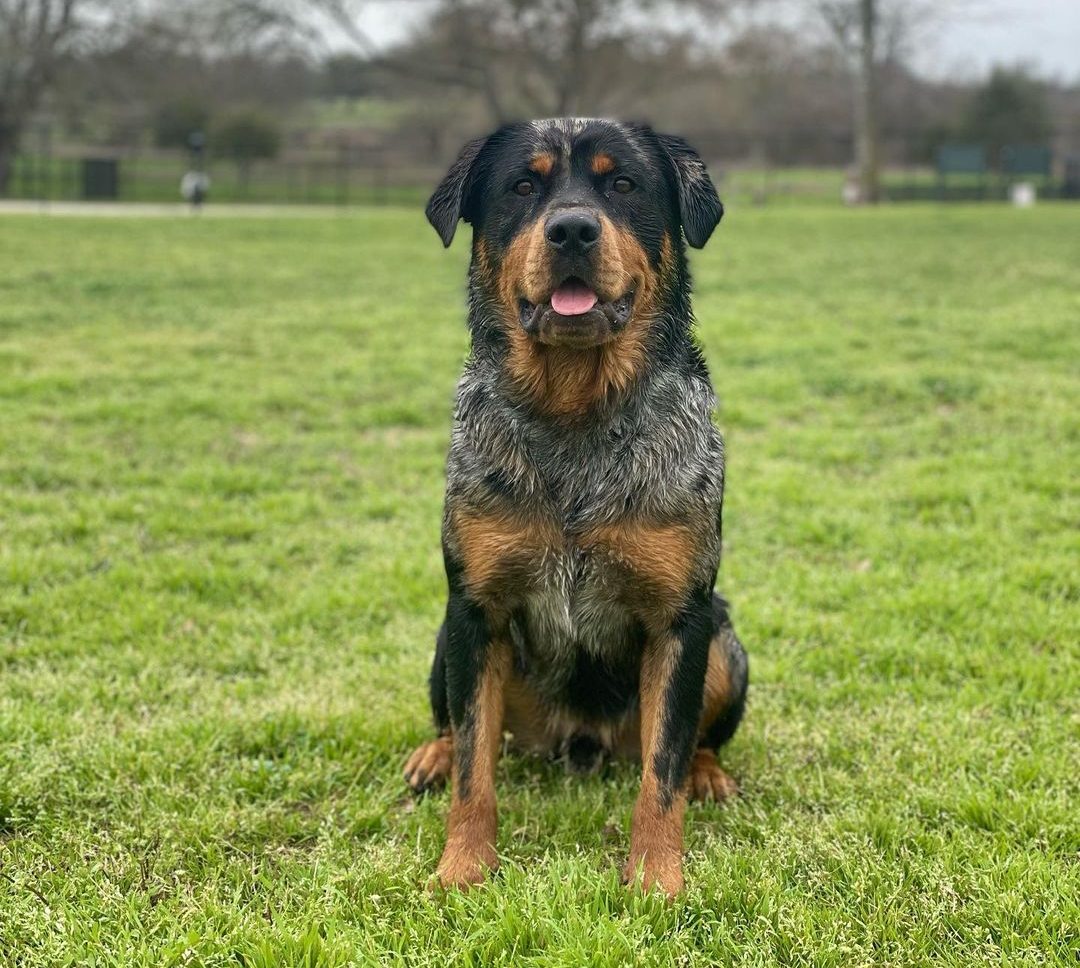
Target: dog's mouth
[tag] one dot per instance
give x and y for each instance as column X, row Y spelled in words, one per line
column 574, row 315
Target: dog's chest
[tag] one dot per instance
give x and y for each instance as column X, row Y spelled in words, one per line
column 590, row 592
column 579, row 599
column 575, row 633
column 584, row 537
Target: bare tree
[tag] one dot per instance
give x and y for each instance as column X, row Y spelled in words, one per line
column 872, row 33
column 35, row 38
column 854, row 24
column 537, row 57
column 266, row 28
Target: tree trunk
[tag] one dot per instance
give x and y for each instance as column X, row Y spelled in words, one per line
column 866, row 135
column 568, row 88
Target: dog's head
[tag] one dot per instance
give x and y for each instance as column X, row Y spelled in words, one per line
column 577, row 224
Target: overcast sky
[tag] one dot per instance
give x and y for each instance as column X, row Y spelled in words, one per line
column 1044, row 34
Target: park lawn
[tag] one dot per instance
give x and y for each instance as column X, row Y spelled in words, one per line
column 221, row 456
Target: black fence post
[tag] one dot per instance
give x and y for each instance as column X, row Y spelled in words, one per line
column 382, row 193
column 46, row 158
column 343, row 175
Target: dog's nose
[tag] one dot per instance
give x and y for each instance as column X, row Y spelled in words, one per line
column 572, row 231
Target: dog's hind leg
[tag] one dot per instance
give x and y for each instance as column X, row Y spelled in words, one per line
column 428, row 768
column 725, row 698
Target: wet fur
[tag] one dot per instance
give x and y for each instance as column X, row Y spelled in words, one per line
column 582, row 525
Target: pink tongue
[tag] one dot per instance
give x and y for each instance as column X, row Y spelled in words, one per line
column 573, row 298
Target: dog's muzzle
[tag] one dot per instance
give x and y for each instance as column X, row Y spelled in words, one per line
column 574, row 316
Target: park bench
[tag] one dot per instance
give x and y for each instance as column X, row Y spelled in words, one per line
column 968, row 162
column 1026, row 162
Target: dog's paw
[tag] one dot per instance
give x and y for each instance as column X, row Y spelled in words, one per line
column 429, row 765
column 707, row 781
column 464, row 865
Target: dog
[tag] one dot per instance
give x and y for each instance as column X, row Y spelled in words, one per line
column 585, row 480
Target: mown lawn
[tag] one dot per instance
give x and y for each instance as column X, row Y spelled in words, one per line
column 221, row 450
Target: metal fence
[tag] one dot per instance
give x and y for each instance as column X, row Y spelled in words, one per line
column 156, row 178
column 352, row 179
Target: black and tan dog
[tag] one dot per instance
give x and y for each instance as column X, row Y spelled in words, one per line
column 581, row 532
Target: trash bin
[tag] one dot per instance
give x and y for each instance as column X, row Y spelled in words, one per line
column 1070, row 186
column 100, row 178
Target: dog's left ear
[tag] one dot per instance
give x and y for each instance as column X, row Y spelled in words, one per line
column 699, row 205
column 449, row 202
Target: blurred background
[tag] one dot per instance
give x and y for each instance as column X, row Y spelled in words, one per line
column 352, row 102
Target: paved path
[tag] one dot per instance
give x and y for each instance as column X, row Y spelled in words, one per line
column 170, row 210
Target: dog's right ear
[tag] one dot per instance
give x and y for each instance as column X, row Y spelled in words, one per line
column 450, row 200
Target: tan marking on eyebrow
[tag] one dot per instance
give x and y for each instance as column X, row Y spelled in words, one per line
column 542, row 164
column 602, row 163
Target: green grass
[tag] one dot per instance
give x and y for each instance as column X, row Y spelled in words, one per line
column 221, row 452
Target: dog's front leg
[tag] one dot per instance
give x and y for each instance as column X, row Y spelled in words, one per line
column 477, row 664
column 672, row 684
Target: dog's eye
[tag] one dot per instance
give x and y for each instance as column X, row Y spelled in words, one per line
column 524, row 187
column 623, row 185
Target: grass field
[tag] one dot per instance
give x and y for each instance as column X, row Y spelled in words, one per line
column 221, row 449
